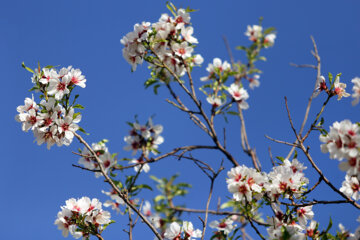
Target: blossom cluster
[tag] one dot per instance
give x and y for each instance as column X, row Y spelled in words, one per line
column 170, row 40
column 247, row 184
column 223, row 228
column 337, row 88
column 256, row 34
column 82, row 217
column 184, row 232
column 342, row 143
column 88, row 160
column 53, row 120
column 115, row 201
column 145, row 138
column 219, row 72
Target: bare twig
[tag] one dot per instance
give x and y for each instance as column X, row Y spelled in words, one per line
column 318, row 74
column 283, row 142
column 315, row 202
column 271, row 157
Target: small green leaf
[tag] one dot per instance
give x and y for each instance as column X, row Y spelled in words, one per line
column 241, row 48
column 269, row 30
column 233, row 113
column 280, row 158
column 171, row 8
column 156, row 88
column 159, row 198
column 329, row 225
column 78, row 106
column 83, row 131
column 27, row 68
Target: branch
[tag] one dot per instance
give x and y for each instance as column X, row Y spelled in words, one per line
column 121, row 194
column 213, row 212
column 315, row 53
column 313, row 163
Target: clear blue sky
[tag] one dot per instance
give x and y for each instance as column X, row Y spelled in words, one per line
column 86, row 34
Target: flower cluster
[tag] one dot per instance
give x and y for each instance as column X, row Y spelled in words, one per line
column 53, row 120
column 145, row 138
column 82, row 218
column 337, row 88
column 169, row 40
column 184, row 232
column 223, row 228
column 88, row 160
column 342, row 142
column 282, row 225
column 256, row 34
column 115, row 201
column 247, row 184
column 218, row 73
column 286, row 180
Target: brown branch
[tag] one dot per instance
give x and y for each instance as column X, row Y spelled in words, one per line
column 251, row 152
column 306, row 152
column 213, row 212
column 312, row 189
column 315, row 202
column 255, row 228
column 271, row 157
column 244, row 139
column 87, row 169
column 315, row 53
column 99, row 236
column 283, row 142
column 122, row 195
column 212, row 132
column 207, row 207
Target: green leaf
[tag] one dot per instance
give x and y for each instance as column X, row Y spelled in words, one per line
column 262, row 58
column 27, row 68
column 156, row 88
column 330, row 78
column 78, row 106
column 280, row 158
column 141, row 186
column 269, row 30
column 233, row 113
column 189, row 10
column 295, row 154
column 159, row 198
column 329, row 225
column 33, row 88
column 150, row 82
column 241, row 48
column 171, row 8
column 227, row 204
column 83, row 131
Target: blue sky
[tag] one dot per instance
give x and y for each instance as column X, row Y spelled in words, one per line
column 35, row 182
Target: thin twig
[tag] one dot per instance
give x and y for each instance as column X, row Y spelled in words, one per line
column 318, row 74
column 283, row 142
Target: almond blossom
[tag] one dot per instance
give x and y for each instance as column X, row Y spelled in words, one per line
column 339, row 88
column 351, row 187
column 254, row 32
column 239, row 94
column 226, row 226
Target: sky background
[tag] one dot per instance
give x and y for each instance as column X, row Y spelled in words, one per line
column 86, row 34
